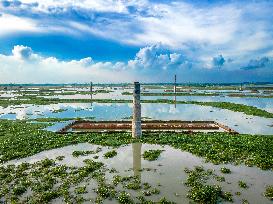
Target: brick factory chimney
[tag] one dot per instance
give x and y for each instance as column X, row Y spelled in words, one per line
column 174, row 88
column 136, row 122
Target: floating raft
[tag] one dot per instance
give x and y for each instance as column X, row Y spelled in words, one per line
column 126, row 126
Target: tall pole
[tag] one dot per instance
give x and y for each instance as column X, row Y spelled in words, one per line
column 136, row 122
column 91, row 89
column 174, row 90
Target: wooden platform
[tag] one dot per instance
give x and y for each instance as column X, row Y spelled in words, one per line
column 121, row 126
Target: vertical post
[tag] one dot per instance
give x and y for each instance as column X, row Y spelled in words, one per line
column 136, row 122
column 91, row 89
column 174, row 90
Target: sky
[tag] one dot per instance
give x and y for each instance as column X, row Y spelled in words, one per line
column 112, row 41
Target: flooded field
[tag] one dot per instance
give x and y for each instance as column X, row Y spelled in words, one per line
column 97, row 168
column 166, row 173
column 240, row 122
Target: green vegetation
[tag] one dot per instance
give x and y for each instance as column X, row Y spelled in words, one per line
column 225, row 170
column 152, row 155
column 46, row 180
column 242, row 184
column 250, row 96
column 174, row 94
column 19, row 139
column 59, row 110
column 82, row 153
column 124, row 198
column 80, row 190
column 220, row 178
column 58, row 119
column 60, row 158
column 110, row 154
column 269, row 192
column 200, row 191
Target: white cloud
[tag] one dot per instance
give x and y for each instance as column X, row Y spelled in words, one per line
column 156, row 57
column 235, row 29
column 10, row 24
column 151, row 64
column 22, row 52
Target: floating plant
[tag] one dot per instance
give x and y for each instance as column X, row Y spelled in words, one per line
column 152, row 155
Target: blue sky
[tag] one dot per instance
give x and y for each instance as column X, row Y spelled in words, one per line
column 145, row 40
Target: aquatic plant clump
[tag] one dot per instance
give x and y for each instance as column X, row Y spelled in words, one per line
column 200, row 191
column 82, row 153
column 242, row 184
column 225, row 170
column 47, row 180
column 152, row 155
column 110, row 154
column 269, row 192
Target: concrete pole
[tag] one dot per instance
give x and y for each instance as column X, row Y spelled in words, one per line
column 174, row 90
column 136, row 122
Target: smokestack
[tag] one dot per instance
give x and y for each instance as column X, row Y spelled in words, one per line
column 91, row 89
column 136, row 122
column 174, row 88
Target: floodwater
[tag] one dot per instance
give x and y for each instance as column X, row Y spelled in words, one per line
column 168, row 171
column 262, row 103
column 240, row 122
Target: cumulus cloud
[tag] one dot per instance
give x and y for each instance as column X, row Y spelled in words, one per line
column 156, row 57
column 22, row 52
column 151, row 64
column 259, row 63
column 218, row 61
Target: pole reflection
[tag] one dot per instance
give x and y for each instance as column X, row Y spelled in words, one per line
column 137, row 159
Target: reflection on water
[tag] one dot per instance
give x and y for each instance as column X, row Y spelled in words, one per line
column 262, row 103
column 136, row 147
column 240, row 122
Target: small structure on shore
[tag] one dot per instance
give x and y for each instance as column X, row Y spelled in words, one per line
column 136, row 122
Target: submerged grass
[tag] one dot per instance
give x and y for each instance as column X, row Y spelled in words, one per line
column 19, row 139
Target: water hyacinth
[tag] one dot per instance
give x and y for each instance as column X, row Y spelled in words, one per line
column 21, row 139
column 152, row 155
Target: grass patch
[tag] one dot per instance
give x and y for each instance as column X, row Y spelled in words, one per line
column 152, row 155
column 110, row 154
